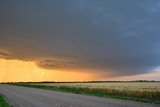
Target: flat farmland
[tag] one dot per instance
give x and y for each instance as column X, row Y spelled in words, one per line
column 19, row 96
column 138, row 91
column 137, row 86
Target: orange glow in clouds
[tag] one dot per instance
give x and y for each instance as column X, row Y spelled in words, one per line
column 24, row 71
column 17, row 70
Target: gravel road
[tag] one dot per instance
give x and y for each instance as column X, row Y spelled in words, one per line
column 31, row 97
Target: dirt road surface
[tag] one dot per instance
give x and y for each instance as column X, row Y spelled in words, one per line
column 32, row 97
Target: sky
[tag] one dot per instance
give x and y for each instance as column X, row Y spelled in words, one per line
column 79, row 40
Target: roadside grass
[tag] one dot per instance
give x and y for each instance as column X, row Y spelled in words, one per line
column 143, row 96
column 3, row 103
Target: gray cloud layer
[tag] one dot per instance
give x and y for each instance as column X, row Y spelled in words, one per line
column 120, row 36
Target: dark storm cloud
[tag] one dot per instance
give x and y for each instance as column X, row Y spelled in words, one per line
column 4, row 54
column 120, row 36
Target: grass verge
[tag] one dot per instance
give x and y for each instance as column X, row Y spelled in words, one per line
column 3, row 103
column 143, row 96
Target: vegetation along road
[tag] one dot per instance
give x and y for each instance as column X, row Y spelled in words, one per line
column 31, row 97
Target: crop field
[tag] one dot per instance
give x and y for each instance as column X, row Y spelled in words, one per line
column 137, row 86
column 138, row 91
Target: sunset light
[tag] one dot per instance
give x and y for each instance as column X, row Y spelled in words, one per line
column 25, row 71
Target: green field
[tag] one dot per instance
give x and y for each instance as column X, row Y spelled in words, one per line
column 138, row 91
column 3, row 103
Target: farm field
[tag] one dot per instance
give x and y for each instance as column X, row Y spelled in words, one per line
column 19, row 96
column 138, row 91
column 138, row 86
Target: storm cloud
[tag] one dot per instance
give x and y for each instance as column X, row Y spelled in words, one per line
column 119, row 36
